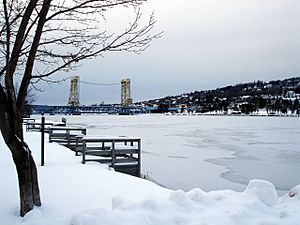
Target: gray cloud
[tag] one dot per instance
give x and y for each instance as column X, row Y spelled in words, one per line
column 206, row 44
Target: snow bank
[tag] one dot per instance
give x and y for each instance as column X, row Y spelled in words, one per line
column 263, row 190
column 258, row 204
column 92, row 194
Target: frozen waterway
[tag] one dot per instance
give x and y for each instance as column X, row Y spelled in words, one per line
column 184, row 152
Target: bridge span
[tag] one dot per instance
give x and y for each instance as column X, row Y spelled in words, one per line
column 97, row 109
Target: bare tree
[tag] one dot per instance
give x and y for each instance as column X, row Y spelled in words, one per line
column 41, row 37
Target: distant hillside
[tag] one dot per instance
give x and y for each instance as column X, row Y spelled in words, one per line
column 274, row 96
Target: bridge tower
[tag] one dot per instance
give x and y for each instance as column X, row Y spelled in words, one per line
column 74, row 91
column 126, row 99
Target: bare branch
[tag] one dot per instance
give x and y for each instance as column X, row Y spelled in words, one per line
column 31, row 58
column 97, row 6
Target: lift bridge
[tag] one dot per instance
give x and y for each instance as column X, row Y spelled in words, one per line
column 96, row 109
column 74, row 107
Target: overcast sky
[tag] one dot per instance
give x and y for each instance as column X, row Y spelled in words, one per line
column 206, row 44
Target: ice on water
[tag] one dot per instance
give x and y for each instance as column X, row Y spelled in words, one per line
column 211, row 152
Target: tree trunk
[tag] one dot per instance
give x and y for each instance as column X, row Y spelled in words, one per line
column 27, row 175
column 24, row 162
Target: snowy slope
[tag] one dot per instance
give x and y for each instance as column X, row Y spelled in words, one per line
column 92, row 194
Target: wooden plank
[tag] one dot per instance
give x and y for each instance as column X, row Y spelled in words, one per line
column 128, row 169
column 99, row 153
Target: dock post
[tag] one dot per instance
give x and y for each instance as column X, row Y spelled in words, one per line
column 43, row 141
column 139, row 158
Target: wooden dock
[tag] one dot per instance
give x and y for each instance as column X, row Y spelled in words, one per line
column 121, row 153
column 66, row 136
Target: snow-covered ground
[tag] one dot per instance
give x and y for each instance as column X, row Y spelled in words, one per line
column 92, row 194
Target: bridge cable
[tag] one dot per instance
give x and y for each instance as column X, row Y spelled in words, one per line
column 98, row 84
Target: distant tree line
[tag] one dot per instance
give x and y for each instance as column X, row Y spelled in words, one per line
column 274, row 96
